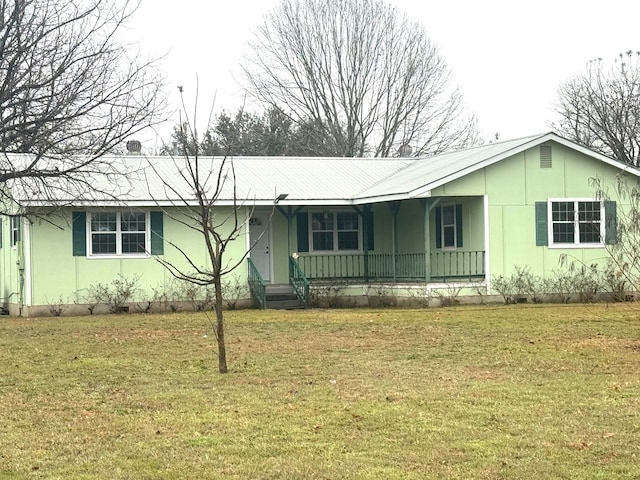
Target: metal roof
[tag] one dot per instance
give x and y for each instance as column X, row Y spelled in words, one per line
column 305, row 180
column 262, row 179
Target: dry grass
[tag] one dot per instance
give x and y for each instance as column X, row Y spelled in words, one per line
column 469, row 392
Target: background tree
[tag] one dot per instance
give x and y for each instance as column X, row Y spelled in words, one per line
column 363, row 75
column 600, row 108
column 271, row 133
column 70, row 90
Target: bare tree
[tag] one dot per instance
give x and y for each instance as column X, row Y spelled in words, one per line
column 622, row 272
column 71, row 90
column 205, row 200
column 366, row 77
column 600, row 108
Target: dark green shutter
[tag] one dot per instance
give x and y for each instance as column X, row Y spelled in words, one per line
column 157, row 233
column 369, row 227
column 458, row 226
column 610, row 222
column 302, row 221
column 79, row 233
column 542, row 224
column 438, row 227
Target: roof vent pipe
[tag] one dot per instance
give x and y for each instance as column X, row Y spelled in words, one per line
column 405, row 150
column 134, row 147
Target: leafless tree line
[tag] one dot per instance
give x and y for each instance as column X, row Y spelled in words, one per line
column 368, row 79
column 600, row 107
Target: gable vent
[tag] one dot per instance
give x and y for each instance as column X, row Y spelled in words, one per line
column 545, row 156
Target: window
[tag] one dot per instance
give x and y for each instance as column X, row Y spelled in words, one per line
column 449, row 226
column 576, row 222
column 118, row 233
column 331, row 231
column 15, row 230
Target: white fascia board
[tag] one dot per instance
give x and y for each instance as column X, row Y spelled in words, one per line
column 386, row 198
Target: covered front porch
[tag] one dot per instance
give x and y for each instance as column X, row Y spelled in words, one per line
column 410, row 241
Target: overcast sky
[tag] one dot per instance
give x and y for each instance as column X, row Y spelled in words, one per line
column 508, row 56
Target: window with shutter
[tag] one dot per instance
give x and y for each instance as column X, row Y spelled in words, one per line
column 113, row 233
column 449, row 226
column 571, row 223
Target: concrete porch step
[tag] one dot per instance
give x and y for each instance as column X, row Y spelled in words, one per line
column 282, row 297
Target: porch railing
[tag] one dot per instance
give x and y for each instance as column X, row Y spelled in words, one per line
column 443, row 265
column 257, row 286
column 299, row 281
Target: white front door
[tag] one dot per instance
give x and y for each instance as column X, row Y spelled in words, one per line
column 260, row 245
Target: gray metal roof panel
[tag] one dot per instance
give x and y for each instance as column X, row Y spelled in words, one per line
column 429, row 170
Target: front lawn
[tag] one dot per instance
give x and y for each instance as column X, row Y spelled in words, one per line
column 484, row 392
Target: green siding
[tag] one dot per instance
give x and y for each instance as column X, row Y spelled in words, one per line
column 75, row 274
column 513, row 187
column 370, row 230
column 410, row 229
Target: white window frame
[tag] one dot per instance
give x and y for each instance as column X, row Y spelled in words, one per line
column 15, row 227
column 576, row 224
column 455, row 227
column 335, row 250
column 119, row 232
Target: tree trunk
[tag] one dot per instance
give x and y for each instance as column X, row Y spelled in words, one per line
column 222, row 351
